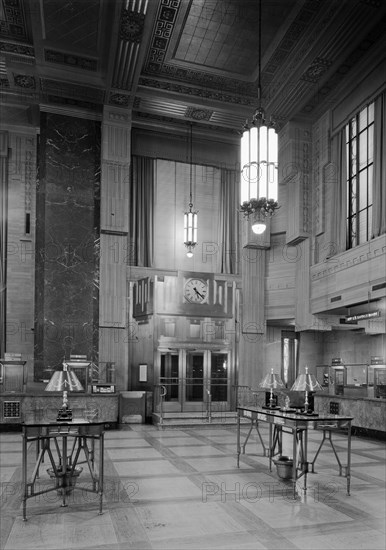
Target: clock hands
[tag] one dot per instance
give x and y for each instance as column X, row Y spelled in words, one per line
column 198, row 293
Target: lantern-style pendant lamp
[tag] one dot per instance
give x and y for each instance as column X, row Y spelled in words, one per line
column 259, row 162
column 190, row 217
column 190, row 230
column 259, row 158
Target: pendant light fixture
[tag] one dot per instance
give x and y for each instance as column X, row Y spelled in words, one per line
column 190, row 217
column 259, row 160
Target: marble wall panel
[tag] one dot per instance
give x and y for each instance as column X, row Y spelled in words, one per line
column 67, row 243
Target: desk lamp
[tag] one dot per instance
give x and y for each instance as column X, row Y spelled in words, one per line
column 271, row 381
column 64, row 380
column 306, row 382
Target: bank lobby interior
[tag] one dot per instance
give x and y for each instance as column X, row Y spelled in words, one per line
column 193, row 274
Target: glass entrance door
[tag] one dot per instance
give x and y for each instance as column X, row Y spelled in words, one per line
column 170, row 379
column 219, row 377
column 192, row 379
column 195, row 380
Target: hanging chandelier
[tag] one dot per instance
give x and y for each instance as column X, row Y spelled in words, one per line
column 259, row 160
column 190, row 217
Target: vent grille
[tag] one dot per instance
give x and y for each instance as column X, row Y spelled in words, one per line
column 11, row 409
column 379, row 286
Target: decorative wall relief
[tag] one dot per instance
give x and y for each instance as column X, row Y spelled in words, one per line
column 67, row 241
column 296, row 170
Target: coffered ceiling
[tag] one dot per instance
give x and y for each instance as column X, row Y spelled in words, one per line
column 176, row 61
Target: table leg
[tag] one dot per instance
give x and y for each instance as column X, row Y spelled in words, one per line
column 304, row 457
column 270, row 450
column 248, row 434
column 348, row 471
column 294, row 461
column 238, row 439
column 101, row 469
column 64, row 469
column 24, row 474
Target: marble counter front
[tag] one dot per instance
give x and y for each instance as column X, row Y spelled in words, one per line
column 368, row 413
column 16, row 408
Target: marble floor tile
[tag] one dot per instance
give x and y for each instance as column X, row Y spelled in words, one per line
column 12, row 446
column 137, row 468
column 174, row 520
column 199, row 450
column 209, row 432
column 87, row 531
column 176, row 441
column 130, row 453
column 215, row 464
column 40, row 531
column 123, row 434
column 171, row 432
column 119, row 443
column 181, row 489
column 10, row 458
column 377, row 471
column 6, row 473
column 363, row 540
column 280, row 511
column 165, row 489
column 227, row 541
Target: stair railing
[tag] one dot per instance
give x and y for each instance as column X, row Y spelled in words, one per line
column 208, row 405
column 159, row 398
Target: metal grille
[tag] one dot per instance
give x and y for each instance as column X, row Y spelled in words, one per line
column 334, row 407
column 11, row 409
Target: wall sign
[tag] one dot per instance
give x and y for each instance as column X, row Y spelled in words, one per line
column 143, row 373
column 103, row 388
column 362, row 316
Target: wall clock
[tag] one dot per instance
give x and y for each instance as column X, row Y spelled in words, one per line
column 196, row 291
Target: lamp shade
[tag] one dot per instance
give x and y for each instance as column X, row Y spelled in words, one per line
column 271, row 381
column 64, row 380
column 259, row 227
column 306, row 382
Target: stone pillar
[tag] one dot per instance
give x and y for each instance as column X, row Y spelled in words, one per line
column 252, row 318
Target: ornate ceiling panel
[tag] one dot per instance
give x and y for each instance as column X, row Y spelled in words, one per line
column 13, row 24
column 174, row 61
column 74, row 22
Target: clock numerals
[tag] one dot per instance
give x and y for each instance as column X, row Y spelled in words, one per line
column 196, row 291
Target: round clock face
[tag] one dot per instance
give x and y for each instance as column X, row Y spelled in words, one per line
column 196, row 291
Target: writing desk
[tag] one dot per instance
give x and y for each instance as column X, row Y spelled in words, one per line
column 298, row 425
column 68, row 439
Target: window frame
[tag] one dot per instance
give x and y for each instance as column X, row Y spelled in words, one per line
column 360, row 176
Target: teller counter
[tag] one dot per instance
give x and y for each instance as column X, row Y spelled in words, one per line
column 16, row 408
column 369, row 414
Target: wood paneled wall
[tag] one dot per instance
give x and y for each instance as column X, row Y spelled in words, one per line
column 114, row 250
column 19, row 151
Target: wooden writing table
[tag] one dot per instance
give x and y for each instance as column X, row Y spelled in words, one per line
column 298, row 425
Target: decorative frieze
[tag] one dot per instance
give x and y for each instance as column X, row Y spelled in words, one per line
column 362, row 253
column 349, row 277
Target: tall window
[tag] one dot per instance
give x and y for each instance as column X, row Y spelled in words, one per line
column 360, row 157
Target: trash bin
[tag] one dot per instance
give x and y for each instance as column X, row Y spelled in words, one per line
column 284, row 465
